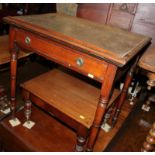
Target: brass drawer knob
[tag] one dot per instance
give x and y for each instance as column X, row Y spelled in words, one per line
column 27, row 40
column 79, row 61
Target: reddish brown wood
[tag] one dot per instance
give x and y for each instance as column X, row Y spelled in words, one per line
column 124, row 93
column 68, row 120
column 14, row 54
column 63, row 55
column 122, row 15
column 105, row 138
column 47, row 135
column 148, row 145
column 79, row 103
column 118, row 14
column 126, row 46
column 94, row 12
column 5, row 58
column 68, row 47
column 81, row 100
column 102, row 104
column 82, row 134
column 102, row 142
column 27, row 110
column 144, row 21
column 5, row 53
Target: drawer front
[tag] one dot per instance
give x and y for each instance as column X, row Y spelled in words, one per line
column 83, row 63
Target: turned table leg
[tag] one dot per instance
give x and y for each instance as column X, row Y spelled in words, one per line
column 102, row 104
column 27, row 110
column 148, row 145
column 81, row 139
column 14, row 52
column 124, row 93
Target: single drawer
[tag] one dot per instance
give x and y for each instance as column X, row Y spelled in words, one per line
column 76, row 60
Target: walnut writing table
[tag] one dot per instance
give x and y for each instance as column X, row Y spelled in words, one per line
column 94, row 50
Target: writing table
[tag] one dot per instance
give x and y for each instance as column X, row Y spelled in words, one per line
column 94, row 50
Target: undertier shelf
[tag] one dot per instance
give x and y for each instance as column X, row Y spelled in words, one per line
column 72, row 96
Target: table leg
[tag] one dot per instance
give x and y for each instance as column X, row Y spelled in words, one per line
column 14, row 54
column 150, row 140
column 124, row 93
column 103, row 101
column 28, row 110
column 81, row 139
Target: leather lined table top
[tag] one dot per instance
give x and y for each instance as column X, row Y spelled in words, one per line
column 102, row 41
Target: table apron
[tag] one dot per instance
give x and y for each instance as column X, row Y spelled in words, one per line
column 78, row 61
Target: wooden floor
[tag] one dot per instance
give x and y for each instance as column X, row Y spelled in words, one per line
column 134, row 131
column 138, row 122
column 104, row 138
column 47, row 135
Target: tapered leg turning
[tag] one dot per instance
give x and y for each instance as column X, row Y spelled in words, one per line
column 14, row 55
column 82, row 134
column 28, row 123
column 28, row 110
column 96, row 124
column 102, row 105
column 81, row 141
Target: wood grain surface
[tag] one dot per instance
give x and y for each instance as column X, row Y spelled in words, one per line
column 71, row 96
column 48, row 135
column 106, row 42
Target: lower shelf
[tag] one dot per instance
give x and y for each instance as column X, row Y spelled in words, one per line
column 71, row 96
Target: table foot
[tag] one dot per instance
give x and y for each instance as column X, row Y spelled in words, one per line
column 106, row 127
column 27, row 110
column 14, row 122
column 29, row 124
column 80, row 144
